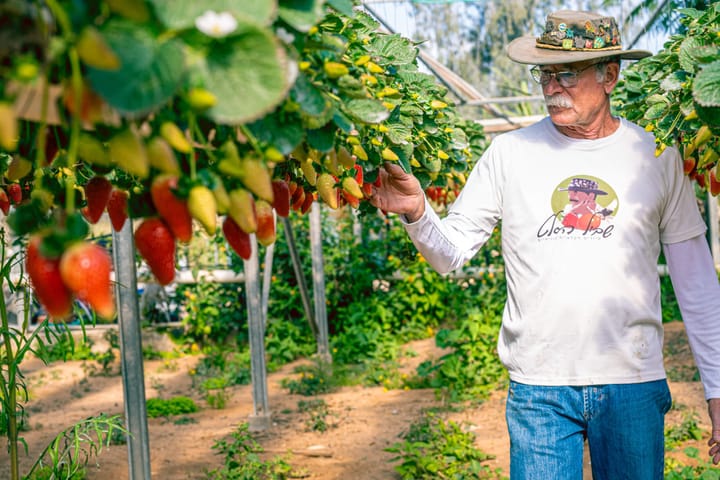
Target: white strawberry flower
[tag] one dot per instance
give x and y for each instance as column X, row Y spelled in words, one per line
column 214, row 24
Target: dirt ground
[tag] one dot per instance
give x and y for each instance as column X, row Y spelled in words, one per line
column 367, row 420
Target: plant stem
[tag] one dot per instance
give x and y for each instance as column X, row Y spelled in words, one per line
column 11, row 384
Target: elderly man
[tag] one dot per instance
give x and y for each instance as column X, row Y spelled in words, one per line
column 587, row 365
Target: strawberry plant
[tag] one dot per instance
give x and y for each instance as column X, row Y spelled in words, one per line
column 674, row 94
column 176, row 112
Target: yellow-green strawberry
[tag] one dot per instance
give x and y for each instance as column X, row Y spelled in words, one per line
column 175, row 137
column 326, row 189
column 256, row 177
column 127, row 151
column 18, row 168
column 9, row 132
column 161, row 156
column 92, row 151
column 350, row 185
column 242, row 210
column 202, row 206
column 94, row 51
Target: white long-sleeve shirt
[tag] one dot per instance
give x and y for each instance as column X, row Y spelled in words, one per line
column 583, row 222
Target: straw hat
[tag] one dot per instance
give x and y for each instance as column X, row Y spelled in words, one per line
column 572, row 36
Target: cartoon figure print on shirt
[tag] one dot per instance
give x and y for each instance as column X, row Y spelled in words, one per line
column 582, row 206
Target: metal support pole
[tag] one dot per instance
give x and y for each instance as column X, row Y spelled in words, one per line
column 267, row 277
column 302, row 286
column 318, row 274
column 260, row 418
column 131, row 353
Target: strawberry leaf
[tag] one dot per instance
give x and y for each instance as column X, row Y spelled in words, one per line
column 705, row 88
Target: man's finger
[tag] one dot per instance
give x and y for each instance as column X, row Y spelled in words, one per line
column 394, row 169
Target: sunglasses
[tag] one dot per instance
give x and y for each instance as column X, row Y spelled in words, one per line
column 566, row 79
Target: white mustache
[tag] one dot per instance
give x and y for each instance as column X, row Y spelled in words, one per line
column 558, row 101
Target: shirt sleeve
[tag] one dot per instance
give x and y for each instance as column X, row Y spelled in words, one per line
column 695, row 282
column 448, row 243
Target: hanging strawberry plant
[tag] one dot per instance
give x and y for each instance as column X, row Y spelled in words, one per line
column 675, row 95
column 176, row 113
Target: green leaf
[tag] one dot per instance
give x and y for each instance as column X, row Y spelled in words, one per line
column 322, row 139
column 309, row 98
column 247, row 73
column 686, row 55
column 656, row 110
column 366, row 111
column 705, row 88
column 393, row 50
column 398, row 133
column 282, row 134
column 150, row 73
column 343, row 6
column 301, row 14
column 180, row 14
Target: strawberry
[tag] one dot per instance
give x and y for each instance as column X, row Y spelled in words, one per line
column 281, row 197
column 307, row 203
column 238, row 240
column 94, row 51
column 127, row 151
column 4, row 202
column 46, row 281
column 266, row 223
column 85, row 269
column 203, row 208
column 298, row 197
column 242, row 210
column 156, row 244
column 18, row 168
column 161, row 156
column 326, row 189
column 175, row 137
column 358, row 174
column 350, row 185
column 9, row 129
column 97, row 194
column 714, row 184
column 117, row 208
column 351, row 200
column 14, row 192
column 171, row 208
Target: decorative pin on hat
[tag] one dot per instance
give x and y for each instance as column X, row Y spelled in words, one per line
column 572, row 36
column 584, row 185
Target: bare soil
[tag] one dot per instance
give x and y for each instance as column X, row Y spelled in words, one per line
column 364, row 421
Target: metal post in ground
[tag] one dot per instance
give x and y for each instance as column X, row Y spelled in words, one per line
column 318, row 275
column 260, row 418
column 133, row 376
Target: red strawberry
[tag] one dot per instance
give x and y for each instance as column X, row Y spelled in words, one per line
column 238, row 240
column 307, row 203
column 97, row 193
column 298, row 198
column 85, row 269
column 714, row 184
column 156, row 244
column 281, row 197
column 266, row 223
column 14, row 192
column 171, row 208
column 46, row 281
column 358, row 174
column 4, row 202
column 353, row 201
column 117, row 208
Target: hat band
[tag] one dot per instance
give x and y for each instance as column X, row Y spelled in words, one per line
column 569, row 46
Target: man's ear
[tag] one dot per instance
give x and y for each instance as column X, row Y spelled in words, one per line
column 612, row 75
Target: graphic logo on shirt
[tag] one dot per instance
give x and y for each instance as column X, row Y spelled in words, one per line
column 582, row 206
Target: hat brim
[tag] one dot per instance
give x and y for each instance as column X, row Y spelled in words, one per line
column 524, row 50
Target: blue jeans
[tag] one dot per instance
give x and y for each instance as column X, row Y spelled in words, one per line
column 623, row 424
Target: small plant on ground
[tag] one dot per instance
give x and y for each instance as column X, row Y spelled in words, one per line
column 314, row 379
column 243, row 461
column 318, row 412
column 159, row 407
column 700, row 470
column 434, row 448
column 471, row 370
column 688, row 429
